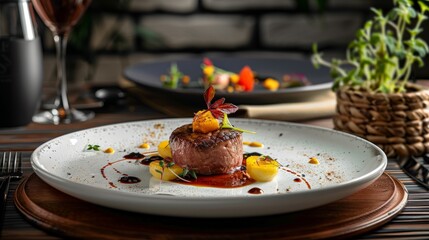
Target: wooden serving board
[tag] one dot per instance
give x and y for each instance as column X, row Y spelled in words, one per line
column 67, row 216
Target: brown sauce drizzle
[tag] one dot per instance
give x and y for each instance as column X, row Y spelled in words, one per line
column 237, row 179
column 129, row 180
column 103, row 169
column 134, row 155
column 299, row 178
column 255, row 190
column 148, row 160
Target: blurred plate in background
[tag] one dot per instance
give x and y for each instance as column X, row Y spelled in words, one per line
column 147, row 75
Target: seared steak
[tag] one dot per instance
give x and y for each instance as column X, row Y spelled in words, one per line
column 216, row 152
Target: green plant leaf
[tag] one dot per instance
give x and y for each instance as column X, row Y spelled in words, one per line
column 393, row 14
column 423, row 6
column 421, row 43
column 391, row 43
column 412, row 12
column 419, row 62
column 375, row 39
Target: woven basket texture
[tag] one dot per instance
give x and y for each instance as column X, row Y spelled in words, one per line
column 398, row 123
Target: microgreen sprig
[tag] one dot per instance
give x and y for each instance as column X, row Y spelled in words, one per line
column 188, row 173
column 172, row 80
column 266, row 158
column 167, row 165
column 227, row 124
column 93, row 147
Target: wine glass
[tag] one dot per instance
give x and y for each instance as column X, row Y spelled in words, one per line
column 60, row 16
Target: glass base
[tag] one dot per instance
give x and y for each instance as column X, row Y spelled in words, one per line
column 53, row 117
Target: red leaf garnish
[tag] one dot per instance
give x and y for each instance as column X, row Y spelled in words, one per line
column 207, row 62
column 216, row 113
column 217, row 103
column 219, row 107
column 209, row 95
column 227, row 108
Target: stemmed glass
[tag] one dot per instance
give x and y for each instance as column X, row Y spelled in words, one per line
column 60, row 16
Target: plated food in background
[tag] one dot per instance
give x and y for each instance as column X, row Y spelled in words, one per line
column 146, row 76
column 225, row 80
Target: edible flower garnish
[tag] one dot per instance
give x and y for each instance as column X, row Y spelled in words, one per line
column 219, row 107
column 208, row 120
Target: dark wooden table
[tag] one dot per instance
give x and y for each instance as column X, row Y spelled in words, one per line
column 412, row 223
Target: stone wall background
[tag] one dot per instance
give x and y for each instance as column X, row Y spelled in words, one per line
column 116, row 33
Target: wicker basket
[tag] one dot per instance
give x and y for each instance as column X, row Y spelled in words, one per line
column 398, row 123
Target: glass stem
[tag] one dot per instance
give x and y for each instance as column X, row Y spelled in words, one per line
column 61, row 100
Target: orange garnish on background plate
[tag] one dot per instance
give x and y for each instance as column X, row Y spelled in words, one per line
column 247, row 78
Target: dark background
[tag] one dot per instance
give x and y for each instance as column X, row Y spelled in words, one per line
column 116, row 33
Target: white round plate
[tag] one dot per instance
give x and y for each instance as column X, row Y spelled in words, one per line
column 347, row 164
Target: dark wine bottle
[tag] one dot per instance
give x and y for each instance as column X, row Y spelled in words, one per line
column 21, row 64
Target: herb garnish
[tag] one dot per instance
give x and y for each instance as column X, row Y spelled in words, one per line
column 227, row 124
column 186, row 172
column 268, row 159
column 175, row 75
column 93, row 147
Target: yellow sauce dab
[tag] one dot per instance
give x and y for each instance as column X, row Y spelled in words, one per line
column 109, row 150
column 144, row 145
column 253, row 144
column 313, row 160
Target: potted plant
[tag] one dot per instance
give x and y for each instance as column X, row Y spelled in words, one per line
column 375, row 98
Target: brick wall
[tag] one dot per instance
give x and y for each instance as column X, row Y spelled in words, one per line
column 126, row 31
column 201, row 25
